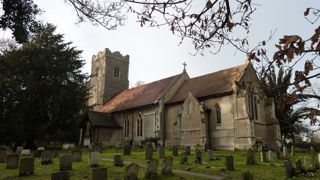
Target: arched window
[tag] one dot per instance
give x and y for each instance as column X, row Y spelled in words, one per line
column 252, row 104
column 190, row 108
column 116, row 72
column 139, row 125
column 126, row 127
column 218, row 113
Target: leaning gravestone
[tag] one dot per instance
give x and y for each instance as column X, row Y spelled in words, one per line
column 3, row 154
column 12, row 161
column 210, row 155
column 76, row 156
column 132, row 172
column 162, row 152
column 149, row 152
column 117, row 160
column 26, row 166
column 167, row 165
column 99, row 173
column 46, row 157
column 229, row 163
column 175, row 151
column 251, row 157
column 187, row 150
column 65, row 162
column 126, row 149
column 93, row 159
column 288, row 168
column 184, row 159
column 198, row 158
column 152, row 168
column 60, row 175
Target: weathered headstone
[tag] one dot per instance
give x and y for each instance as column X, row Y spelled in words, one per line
column 292, row 150
column 251, row 157
column 60, row 175
column 132, row 172
column 229, row 163
column 152, row 168
column 175, row 151
column 154, row 146
column 99, row 173
column 183, row 159
column 26, row 166
column 39, row 151
column 149, row 152
column 162, row 152
column 167, row 165
column 198, row 157
column 288, row 168
column 93, row 158
column 19, row 149
column 263, row 156
column 25, row 152
column 187, row 150
column 285, row 152
column 65, row 163
column 46, row 157
column 246, row 175
column 117, row 161
column 76, row 155
column 270, row 156
column 3, row 154
column 126, row 149
column 12, row 161
column 210, row 155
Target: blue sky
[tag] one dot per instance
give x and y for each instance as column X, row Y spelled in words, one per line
column 155, row 54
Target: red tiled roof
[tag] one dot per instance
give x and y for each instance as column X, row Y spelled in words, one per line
column 217, row 83
column 139, row 96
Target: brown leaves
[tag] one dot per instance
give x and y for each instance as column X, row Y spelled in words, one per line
column 308, row 67
column 306, row 12
column 209, row 4
column 288, row 47
column 289, row 40
column 315, row 36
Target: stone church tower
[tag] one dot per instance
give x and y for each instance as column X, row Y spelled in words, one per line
column 109, row 75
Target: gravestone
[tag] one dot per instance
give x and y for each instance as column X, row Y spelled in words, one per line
column 3, row 154
column 270, row 156
column 93, row 159
column 149, row 152
column 246, row 175
column 19, row 149
column 96, row 147
column 292, row 150
column 55, row 153
column 65, row 163
column 126, row 149
column 210, row 155
column 288, row 168
column 162, row 152
column 167, row 165
column 132, row 172
column 99, row 173
column 183, row 159
column 154, row 146
column 76, row 155
column 26, row 166
column 39, row 151
column 60, row 175
column 263, row 156
column 285, row 152
column 299, row 167
column 25, row 152
column 46, row 157
column 175, row 151
column 152, row 168
column 12, row 161
column 198, row 157
column 251, row 157
column 229, row 163
column 315, row 160
column 307, row 163
column 117, row 160
column 187, row 150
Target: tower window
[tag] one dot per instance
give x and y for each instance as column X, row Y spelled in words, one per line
column 116, row 73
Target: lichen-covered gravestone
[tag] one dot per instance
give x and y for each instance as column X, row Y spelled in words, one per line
column 162, row 152
column 46, row 157
column 149, row 152
column 26, row 166
column 132, row 172
column 175, row 151
column 3, row 154
column 152, row 168
column 60, row 175
column 126, row 149
column 76, row 156
column 229, row 163
column 117, row 160
column 12, row 161
column 99, row 173
column 167, row 165
column 65, row 162
column 251, row 157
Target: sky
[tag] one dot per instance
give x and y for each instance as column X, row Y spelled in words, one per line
column 155, row 53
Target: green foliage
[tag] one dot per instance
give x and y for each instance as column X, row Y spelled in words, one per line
column 42, row 89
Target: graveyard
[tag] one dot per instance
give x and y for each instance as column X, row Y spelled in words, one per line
column 153, row 163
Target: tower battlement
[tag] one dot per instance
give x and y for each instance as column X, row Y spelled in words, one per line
column 106, row 52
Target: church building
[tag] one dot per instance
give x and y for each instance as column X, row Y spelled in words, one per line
column 221, row 110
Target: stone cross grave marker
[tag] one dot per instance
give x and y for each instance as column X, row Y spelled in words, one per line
column 46, row 157
column 132, row 172
column 162, row 152
column 152, row 168
column 149, row 152
column 229, row 163
column 26, row 166
column 210, row 155
column 65, row 162
column 187, row 150
column 126, row 149
column 76, row 155
column 198, row 157
column 175, row 151
column 99, row 173
column 60, row 175
column 251, row 157
column 167, row 163
column 93, row 158
column 3, row 154
column 12, row 161
column 117, row 161
column 285, row 152
column 184, row 159
column 288, row 168
column 270, row 156
column 263, row 155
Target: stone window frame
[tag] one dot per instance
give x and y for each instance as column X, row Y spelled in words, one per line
column 252, row 103
column 116, row 72
column 126, row 127
column 139, row 131
column 218, row 116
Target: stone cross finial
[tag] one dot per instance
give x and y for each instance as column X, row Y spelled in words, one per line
column 184, row 66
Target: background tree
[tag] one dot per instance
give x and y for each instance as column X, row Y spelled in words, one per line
column 42, row 89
